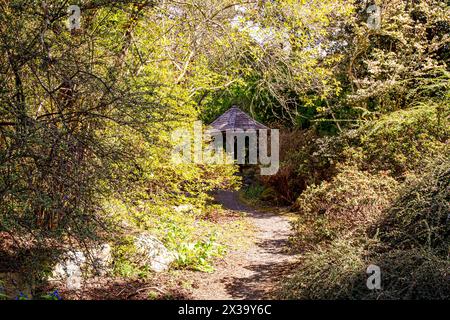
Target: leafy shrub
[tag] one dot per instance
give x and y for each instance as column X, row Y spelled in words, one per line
column 22, row 296
column 269, row 194
column 325, row 273
column 305, row 159
column 54, row 295
column 410, row 243
column 3, row 295
column 253, row 191
column 123, row 258
column 420, row 217
column 351, row 202
column 198, row 255
column 189, row 234
column 339, row 272
column 411, row 274
column 400, row 141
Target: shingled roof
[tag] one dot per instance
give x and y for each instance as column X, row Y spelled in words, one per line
column 235, row 118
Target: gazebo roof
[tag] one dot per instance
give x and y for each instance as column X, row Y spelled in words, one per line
column 235, row 118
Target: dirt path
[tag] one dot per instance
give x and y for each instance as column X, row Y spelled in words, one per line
column 250, row 272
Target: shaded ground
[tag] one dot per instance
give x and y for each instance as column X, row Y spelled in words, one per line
column 257, row 259
column 250, row 272
column 161, row 286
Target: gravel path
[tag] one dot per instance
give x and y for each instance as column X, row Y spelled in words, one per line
column 250, row 272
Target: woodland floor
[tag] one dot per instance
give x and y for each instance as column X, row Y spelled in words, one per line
column 256, row 260
column 252, row 271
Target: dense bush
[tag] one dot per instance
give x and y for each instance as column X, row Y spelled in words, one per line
column 339, row 272
column 410, row 244
column 400, row 141
column 369, row 186
column 82, row 130
column 420, row 217
column 305, row 158
column 350, row 203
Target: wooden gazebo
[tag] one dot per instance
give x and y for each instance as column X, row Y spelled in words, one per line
column 235, row 120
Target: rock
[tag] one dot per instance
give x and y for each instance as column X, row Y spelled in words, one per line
column 70, row 270
column 101, row 259
column 152, row 253
column 77, row 264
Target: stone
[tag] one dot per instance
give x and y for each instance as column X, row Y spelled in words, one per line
column 70, row 270
column 152, row 253
column 77, row 264
column 101, row 259
column 184, row 208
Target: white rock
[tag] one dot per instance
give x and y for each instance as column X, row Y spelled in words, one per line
column 101, row 259
column 153, row 253
column 184, row 208
column 70, row 270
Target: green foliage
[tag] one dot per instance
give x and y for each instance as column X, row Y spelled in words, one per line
column 350, row 203
column 401, row 141
column 185, row 230
column 198, row 255
column 365, row 196
column 86, row 121
column 3, row 295
column 412, row 274
column 420, row 216
column 254, row 191
column 269, row 194
column 306, row 158
column 123, row 256
column 339, row 272
column 276, row 66
column 51, row 296
column 22, row 296
column 409, row 243
column 325, row 273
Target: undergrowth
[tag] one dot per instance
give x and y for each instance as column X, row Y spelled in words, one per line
column 409, row 241
column 190, row 233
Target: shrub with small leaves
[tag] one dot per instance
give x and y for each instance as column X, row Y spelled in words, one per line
column 350, row 203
